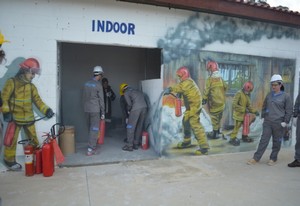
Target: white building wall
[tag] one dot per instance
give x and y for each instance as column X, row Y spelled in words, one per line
column 35, row 26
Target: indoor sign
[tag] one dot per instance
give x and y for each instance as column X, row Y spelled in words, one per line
column 116, row 27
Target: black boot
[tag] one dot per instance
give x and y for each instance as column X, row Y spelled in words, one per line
column 245, row 138
column 213, row 135
column 234, row 141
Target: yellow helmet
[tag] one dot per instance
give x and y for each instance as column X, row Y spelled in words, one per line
column 123, row 86
column 2, row 39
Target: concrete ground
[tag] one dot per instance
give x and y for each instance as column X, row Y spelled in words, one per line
column 217, row 180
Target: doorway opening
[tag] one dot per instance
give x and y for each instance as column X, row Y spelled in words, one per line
column 120, row 64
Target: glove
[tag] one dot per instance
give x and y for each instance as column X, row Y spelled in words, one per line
column 102, row 116
column 7, row 117
column 49, row 113
column 256, row 113
column 283, row 124
column 108, row 94
column 204, row 101
column 167, row 90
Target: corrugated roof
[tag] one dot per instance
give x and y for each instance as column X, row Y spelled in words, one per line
column 265, row 5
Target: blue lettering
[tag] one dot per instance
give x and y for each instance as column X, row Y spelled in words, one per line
column 93, row 25
column 109, row 26
column 100, row 26
column 116, row 27
column 131, row 28
column 123, row 28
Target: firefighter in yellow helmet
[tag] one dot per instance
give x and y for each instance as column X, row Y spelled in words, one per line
column 191, row 118
column 18, row 96
column 2, row 53
column 123, row 106
column 214, row 96
column 241, row 105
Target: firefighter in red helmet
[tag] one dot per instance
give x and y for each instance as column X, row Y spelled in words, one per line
column 214, row 96
column 191, row 118
column 241, row 105
column 18, row 95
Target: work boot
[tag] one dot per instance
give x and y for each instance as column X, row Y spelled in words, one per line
column 247, row 139
column 135, row 147
column 127, row 148
column 252, row 162
column 234, row 141
column 182, row 145
column 14, row 166
column 295, row 163
column 271, row 162
column 90, row 152
column 203, row 151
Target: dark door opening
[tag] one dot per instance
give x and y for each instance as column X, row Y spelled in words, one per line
column 120, row 64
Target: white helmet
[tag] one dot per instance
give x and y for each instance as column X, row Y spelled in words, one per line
column 276, row 78
column 98, row 70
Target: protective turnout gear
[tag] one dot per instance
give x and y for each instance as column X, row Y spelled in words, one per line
column 102, row 116
column 183, row 73
column 212, row 66
column 7, row 117
column 49, row 113
column 32, row 65
column 2, row 39
column 123, row 86
column 248, row 87
column 276, row 78
column 98, row 70
column 283, row 124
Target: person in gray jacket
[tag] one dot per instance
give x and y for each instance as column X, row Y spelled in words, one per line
column 296, row 114
column 93, row 103
column 277, row 111
column 137, row 109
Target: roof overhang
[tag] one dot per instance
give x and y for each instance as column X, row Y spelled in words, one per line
column 234, row 8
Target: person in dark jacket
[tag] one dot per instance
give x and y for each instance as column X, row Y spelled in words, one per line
column 109, row 96
column 93, row 105
column 296, row 114
column 137, row 109
column 277, row 111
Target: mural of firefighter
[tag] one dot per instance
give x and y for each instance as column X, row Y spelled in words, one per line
column 18, row 95
column 242, row 108
column 191, row 118
column 214, row 96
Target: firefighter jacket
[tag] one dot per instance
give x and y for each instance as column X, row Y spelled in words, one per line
column 135, row 99
column 214, row 93
column 240, row 105
column 93, row 100
column 190, row 92
column 18, row 96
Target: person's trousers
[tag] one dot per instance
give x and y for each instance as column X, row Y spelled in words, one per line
column 10, row 152
column 191, row 121
column 135, row 126
column 216, row 118
column 274, row 130
column 93, row 120
column 297, row 145
column 237, row 126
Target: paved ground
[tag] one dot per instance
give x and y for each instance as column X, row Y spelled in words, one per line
column 217, row 180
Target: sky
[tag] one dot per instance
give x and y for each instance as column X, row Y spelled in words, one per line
column 293, row 5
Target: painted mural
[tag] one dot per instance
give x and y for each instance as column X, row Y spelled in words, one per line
column 183, row 46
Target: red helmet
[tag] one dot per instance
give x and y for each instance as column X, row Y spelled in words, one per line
column 248, row 86
column 212, row 66
column 31, row 64
column 183, row 73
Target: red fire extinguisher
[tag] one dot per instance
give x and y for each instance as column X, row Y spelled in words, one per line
column 38, row 161
column 28, row 151
column 101, row 131
column 145, row 140
column 178, row 112
column 246, row 124
column 48, row 158
column 9, row 134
